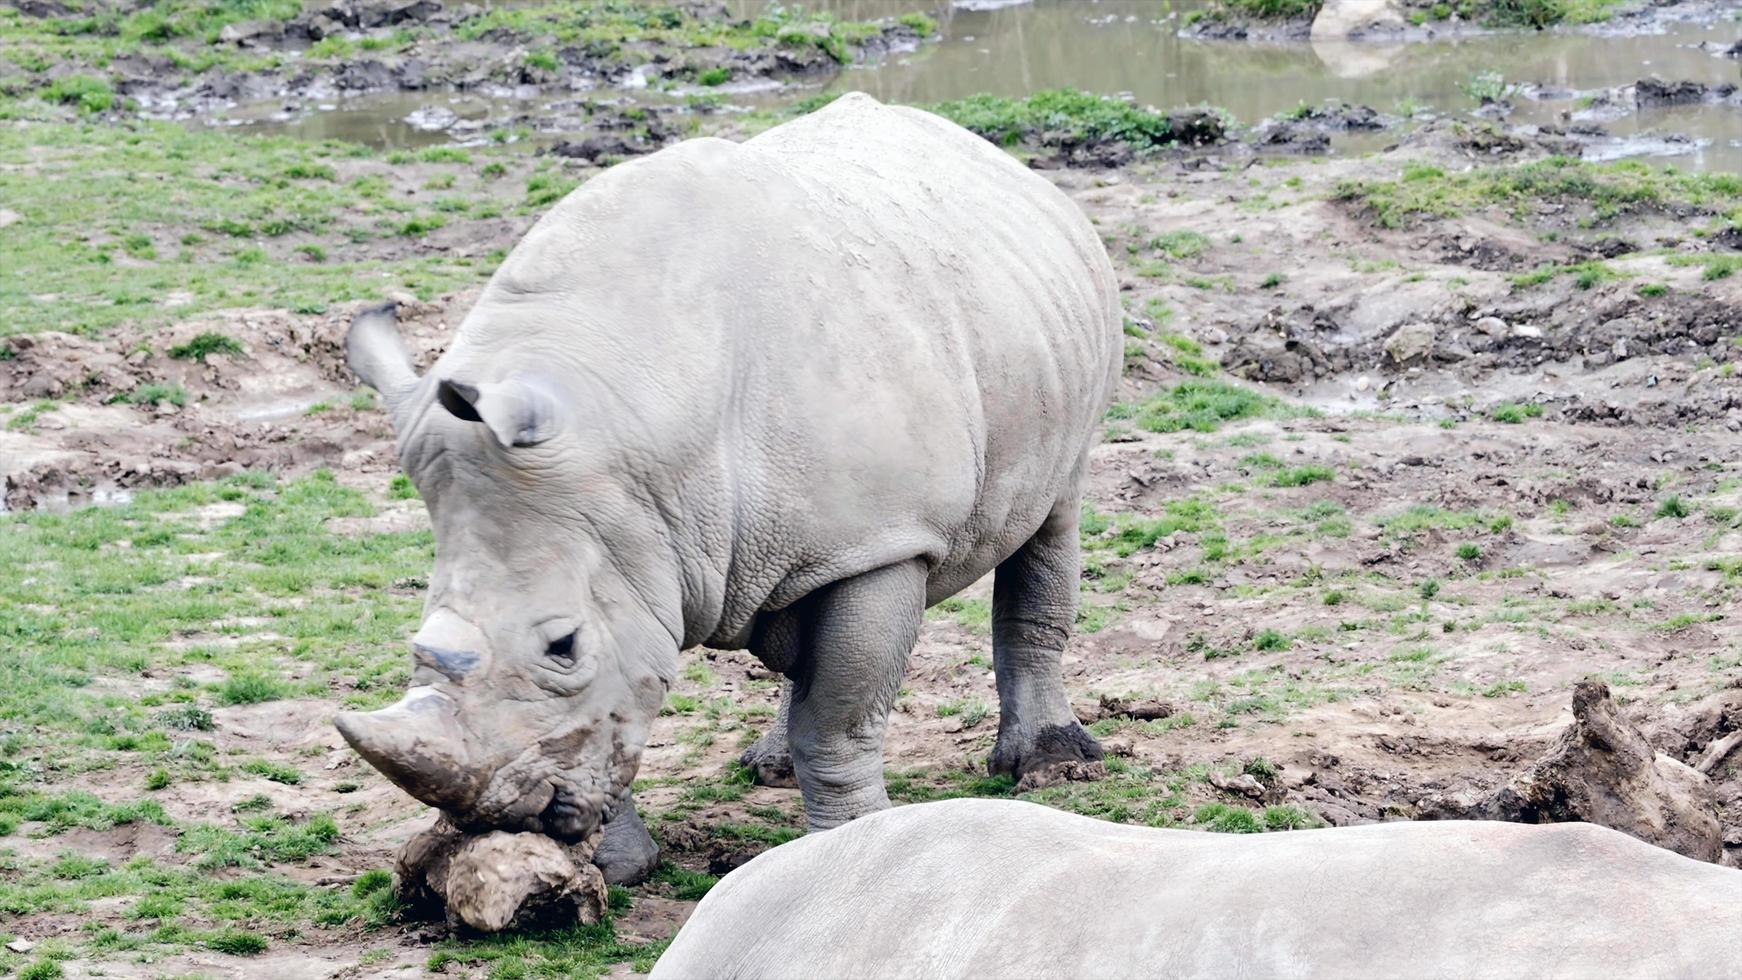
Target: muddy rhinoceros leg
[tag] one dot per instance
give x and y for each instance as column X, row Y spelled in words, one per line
column 859, row 634
column 777, row 642
column 627, row 854
column 1034, row 605
column 769, row 758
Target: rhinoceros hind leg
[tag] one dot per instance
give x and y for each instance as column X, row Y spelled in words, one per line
column 1034, row 605
column 627, row 854
column 858, row 637
column 769, row 759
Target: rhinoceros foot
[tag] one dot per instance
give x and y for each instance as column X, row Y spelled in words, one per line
column 627, row 854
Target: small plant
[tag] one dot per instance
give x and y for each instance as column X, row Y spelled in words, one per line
column 1271, row 640
column 185, row 718
column 275, row 771
column 235, row 942
column 1673, row 507
column 1469, row 551
column 204, row 345
column 251, row 689
column 1652, row 289
column 543, row 60
column 1430, row 588
column 157, row 392
column 158, row 779
column 1224, row 819
column 1512, row 413
column 90, row 94
column 1487, row 86
column 1272, row 281
column 714, row 76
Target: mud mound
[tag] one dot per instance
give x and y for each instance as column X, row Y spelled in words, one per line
column 496, row 881
column 1602, row 770
column 213, row 396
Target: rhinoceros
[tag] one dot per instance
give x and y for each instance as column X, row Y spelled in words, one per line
column 780, row 395
column 1006, row 889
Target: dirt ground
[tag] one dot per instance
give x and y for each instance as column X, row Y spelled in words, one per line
column 1460, row 494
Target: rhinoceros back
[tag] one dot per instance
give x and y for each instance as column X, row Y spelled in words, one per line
column 874, row 334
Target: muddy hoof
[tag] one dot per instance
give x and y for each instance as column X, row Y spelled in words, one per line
column 627, row 854
column 770, row 762
column 1050, row 746
column 498, row 880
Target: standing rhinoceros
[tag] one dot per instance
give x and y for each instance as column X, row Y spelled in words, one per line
column 782, row 395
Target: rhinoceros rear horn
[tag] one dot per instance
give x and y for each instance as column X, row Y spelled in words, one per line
column 518, row 412
column 378, row 356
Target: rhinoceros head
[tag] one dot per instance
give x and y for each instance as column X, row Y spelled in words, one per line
column 537, row 668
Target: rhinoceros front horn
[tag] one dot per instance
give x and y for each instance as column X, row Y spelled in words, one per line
column 418, row 743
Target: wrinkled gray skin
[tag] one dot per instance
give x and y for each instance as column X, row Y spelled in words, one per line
column 781, row 395
column 1000, row 888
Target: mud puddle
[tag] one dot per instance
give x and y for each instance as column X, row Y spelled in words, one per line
column 1134, row 47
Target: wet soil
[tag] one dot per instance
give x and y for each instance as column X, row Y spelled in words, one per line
column 340, row 49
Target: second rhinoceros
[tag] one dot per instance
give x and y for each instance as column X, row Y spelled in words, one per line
column 780, row 395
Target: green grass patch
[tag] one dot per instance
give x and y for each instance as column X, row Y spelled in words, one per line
column 1064, row 115
column 1600, row 191
column 1201, row 406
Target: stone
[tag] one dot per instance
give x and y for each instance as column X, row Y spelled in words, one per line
column 500, row 880
column 1493, row 326
column 1410, row 343
column 1341, row 19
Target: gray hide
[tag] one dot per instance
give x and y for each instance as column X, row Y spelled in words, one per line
column 999, row 888
column 779, row 395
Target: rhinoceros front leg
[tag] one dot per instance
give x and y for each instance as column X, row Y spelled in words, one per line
column 1034, row 605
column 626, row 854
column 859, row 632
column 768, row 758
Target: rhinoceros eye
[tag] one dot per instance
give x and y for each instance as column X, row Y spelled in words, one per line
column 562, row 650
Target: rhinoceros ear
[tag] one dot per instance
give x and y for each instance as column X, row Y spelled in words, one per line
column 518, row 412
column 378, row 356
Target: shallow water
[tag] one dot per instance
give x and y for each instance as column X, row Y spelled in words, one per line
column 1132, row 46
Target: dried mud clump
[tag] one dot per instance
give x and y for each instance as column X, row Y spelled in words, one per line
column 1602, row 770
column 499, row 880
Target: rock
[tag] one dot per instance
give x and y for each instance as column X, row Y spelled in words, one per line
column 432, row 117
column 596, row 149
column 1655, row 92
column 1294, row 137
column 1196, row 127
column 364, row 75
column 9, row 217
column 1525, row 331
column 1146, row 709
column 1061, row 772
column 1410, row 343
column 1244, row 784
column 250, row 32
column 500, row 880
column 20, row 945
column 1340, row 19
column 1602, row 770
column 1493, row 326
